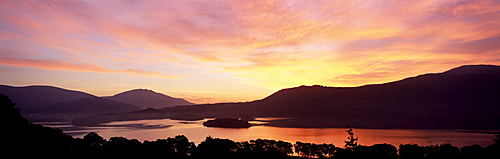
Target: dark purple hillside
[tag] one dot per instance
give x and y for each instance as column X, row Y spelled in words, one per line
column 92, row 105
column 476, row 91
column 33, row 96
column 147, row 98
column 464, row 97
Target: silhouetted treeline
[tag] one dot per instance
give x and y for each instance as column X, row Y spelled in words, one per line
column 22, row 139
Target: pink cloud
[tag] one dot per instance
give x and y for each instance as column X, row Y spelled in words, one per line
column 67, row 66
column 471, row 8
column 251, row 39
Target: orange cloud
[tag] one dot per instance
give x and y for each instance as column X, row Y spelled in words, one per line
column 67, row 66
column 273, row 44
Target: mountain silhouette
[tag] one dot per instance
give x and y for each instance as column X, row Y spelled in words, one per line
column 455, row 92
column 148, row 99
column 463, row 97
column 466, row 97
column 148, row 113
column 32, row 96
column 86, row 106
column 40, row 101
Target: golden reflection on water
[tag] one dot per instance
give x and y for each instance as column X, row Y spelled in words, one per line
column 163, row 128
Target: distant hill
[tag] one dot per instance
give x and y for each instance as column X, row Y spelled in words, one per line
column 463, row 97
column 466, row 97
column 43, row 100
column 32, row 96
column 461, row 91
column 148, row 113
column 147, row 98
column 91, row 105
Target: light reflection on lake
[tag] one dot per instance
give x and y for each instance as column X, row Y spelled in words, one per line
column 196, row 132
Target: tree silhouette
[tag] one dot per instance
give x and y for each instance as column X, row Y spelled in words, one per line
column 496, row 140
column 177, row 147
column 352, row 141
column 430, row 152
column 263, row 148
column 447, row 151
column 493, row 151
column 410, row 151
column 121, row 147
column 181, row 146
column 90, row 146
column 158, row 149
column 384, row 151
column 93, row 139
column 473, row 152
column 216, row 148
column 314, row 150
column 272, row 147
column 10, row 116
column 22, row 139
column 20, row 136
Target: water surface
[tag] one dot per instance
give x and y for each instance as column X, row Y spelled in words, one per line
column 196, row 132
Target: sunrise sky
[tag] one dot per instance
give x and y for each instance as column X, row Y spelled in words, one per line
column 231, row 50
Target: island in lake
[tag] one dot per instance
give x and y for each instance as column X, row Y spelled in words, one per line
column 227, row 123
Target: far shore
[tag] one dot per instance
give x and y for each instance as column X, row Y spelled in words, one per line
column 300, row 122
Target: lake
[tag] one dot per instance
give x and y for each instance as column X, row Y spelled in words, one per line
column 196, row 132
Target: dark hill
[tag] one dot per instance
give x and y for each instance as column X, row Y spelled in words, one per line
column 35, row 141
column 464, row 97
column 475, row 69
column 31, row 96
column 149, row 113
column 147, row 98
column 468, row 90
column 90, row 105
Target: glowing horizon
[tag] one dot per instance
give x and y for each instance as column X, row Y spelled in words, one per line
column 231, row 51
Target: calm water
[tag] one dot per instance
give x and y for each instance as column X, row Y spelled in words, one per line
column 196, row 132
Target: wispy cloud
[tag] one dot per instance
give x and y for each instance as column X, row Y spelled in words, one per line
column 67, row 66
column 268, row 43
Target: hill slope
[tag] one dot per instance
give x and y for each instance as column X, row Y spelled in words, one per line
column 147, row 98
column 467, row 90
column 91, row 105
column 32, row 96
column 464, row 97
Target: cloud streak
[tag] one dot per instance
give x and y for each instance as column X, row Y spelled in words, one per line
column 267, row 43
column 84, row 67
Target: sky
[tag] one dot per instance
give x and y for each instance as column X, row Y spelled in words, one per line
column 234, row 51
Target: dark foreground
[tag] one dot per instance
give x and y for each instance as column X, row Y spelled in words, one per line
column 26, row 140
